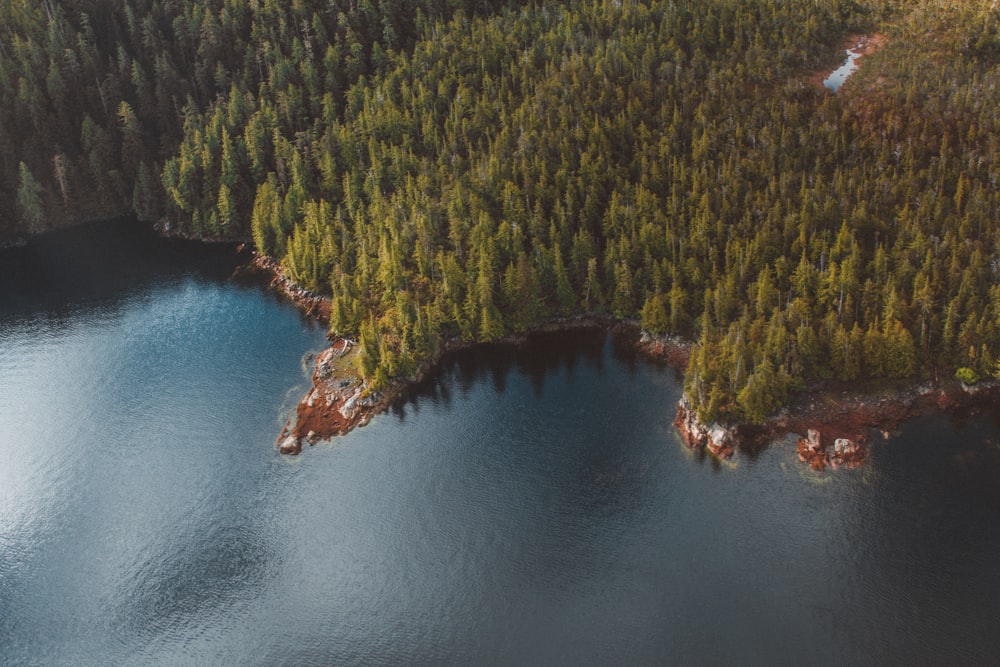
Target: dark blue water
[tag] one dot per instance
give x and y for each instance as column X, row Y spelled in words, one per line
column 524, row 507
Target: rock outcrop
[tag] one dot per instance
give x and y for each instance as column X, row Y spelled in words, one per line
column 813, row 448
column 846, row 451
column 291, row 445
column 673, row 350
column 337, row 402
column 814, row 440
column 718, row 439
column 312, row 304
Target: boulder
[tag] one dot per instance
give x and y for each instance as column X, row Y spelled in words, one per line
column 844, row 446
column 718, row 439
column 814, row 440
column 691, row 429
column 290, row 445
column 849, row 452
column 721, row 441
column 810, row 450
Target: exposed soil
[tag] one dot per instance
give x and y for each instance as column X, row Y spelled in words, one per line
column 867, row 44
column 844, row 412
column 337, row 401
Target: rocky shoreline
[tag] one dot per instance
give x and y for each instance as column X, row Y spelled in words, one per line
column 339, row 401
column 310, row 303
column 835, row 423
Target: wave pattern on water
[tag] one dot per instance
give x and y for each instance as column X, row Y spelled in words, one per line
column 524, row 505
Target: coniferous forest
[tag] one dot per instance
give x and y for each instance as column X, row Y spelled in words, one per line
column 445, row 169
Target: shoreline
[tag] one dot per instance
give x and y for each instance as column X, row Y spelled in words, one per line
column 834, row 421
column 310, row 303
column 339, row 400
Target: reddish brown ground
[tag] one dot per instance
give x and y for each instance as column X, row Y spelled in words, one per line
column 850, row 413
column 337, row 401
column 828, row 454
column 670, row 349
column 863, row 44
column 837, row 410
column 856, row 414
column 335, row 404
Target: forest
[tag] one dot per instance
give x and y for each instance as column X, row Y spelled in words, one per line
column 448, row 169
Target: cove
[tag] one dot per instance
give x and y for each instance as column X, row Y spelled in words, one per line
column 523, row 505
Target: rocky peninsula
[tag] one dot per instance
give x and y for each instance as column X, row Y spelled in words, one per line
column 340, row 400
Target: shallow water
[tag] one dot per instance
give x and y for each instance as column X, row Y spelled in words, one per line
column 524, row 506
column 840, row 75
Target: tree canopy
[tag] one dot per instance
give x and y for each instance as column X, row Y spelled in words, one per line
column 444, row 168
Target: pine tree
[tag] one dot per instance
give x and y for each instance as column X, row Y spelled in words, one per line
column 30, row 206
column 654, row 315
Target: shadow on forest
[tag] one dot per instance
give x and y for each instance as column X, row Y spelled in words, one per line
column 105, row 264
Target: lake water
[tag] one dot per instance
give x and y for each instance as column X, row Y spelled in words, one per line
column 525, row 506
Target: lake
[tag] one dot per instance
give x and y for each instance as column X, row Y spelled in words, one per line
column 524, row 506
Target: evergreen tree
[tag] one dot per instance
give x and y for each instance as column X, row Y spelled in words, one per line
column 30, row 205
